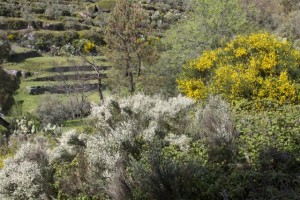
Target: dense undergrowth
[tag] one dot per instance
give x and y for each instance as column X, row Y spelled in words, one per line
column 144, row 147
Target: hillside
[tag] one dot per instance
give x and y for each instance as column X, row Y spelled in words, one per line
column 149, row 99
column 39, row 30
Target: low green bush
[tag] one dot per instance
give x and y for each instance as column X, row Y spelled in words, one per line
column 272, row 129
column 106, row 4
column 13, row 24
column 95, row 35
column 43, row 40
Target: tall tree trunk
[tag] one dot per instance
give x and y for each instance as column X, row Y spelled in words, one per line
column 132, row 86
column 100, row 89
column 140, row 66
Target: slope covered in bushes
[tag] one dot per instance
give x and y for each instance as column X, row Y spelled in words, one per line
column 149, row 148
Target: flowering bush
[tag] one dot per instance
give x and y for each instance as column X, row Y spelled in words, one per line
column 84, row 45
column 88, row 46
column 130, row 121
column 254, row 67
column 144, row 147
column 27, row 175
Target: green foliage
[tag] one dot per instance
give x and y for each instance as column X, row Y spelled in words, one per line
column 128, row 40
column 43, row 40
column 13, row 24
column 4, row 50
column 26, row 11
column 55, row 111
column 161, row 175
column 208, row 26
column 53, row 10
column 106, row 4
column 273, row 129
column 8, row 86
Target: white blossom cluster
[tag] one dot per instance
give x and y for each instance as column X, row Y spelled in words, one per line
column 23, row 175
column 24, row 126
column 136, row 116
column 182, row 141
column 119, row 123
column 69, row 144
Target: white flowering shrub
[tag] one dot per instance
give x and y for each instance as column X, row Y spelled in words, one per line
column 52, row 129
column 214, row 121
column 130, row 128
column 150, row 116
column 27, row 175
column 69, row 145
column 20, row 180
column 24, row 126
column 122, row 126
column 138, row 138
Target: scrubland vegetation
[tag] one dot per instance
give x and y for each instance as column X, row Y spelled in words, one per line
column 157, row 99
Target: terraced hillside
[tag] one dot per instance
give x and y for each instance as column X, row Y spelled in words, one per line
column 43, row 34
column 48, row 25
column 56, row 75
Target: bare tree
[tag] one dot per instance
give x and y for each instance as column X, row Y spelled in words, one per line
column 99, row 74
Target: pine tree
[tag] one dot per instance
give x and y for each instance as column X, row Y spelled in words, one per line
column 127, row 35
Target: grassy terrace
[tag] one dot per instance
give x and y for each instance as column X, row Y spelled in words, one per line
column 39, row 67
column 41, row 64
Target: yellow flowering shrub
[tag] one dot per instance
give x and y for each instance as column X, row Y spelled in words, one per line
column 254, row 67
column 194, row 88
column 88, row 46
column 10, row 37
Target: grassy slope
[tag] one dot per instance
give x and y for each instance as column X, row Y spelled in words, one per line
column 39, row 66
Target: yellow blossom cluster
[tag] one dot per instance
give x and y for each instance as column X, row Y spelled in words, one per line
column 206, row 61
column 193, row 88
column 257, row 66
column 88, row 46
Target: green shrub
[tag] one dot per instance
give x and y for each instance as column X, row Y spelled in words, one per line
column 95, row 36
column 106, row 4
column 43, row 40
column 8, row 86
column 273, row 129
column 55, row 111
column 13, row 24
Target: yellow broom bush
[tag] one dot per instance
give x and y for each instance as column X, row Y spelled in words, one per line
column 254, row 67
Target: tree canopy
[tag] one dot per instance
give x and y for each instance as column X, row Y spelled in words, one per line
column 129, row 42
column 8, row 85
